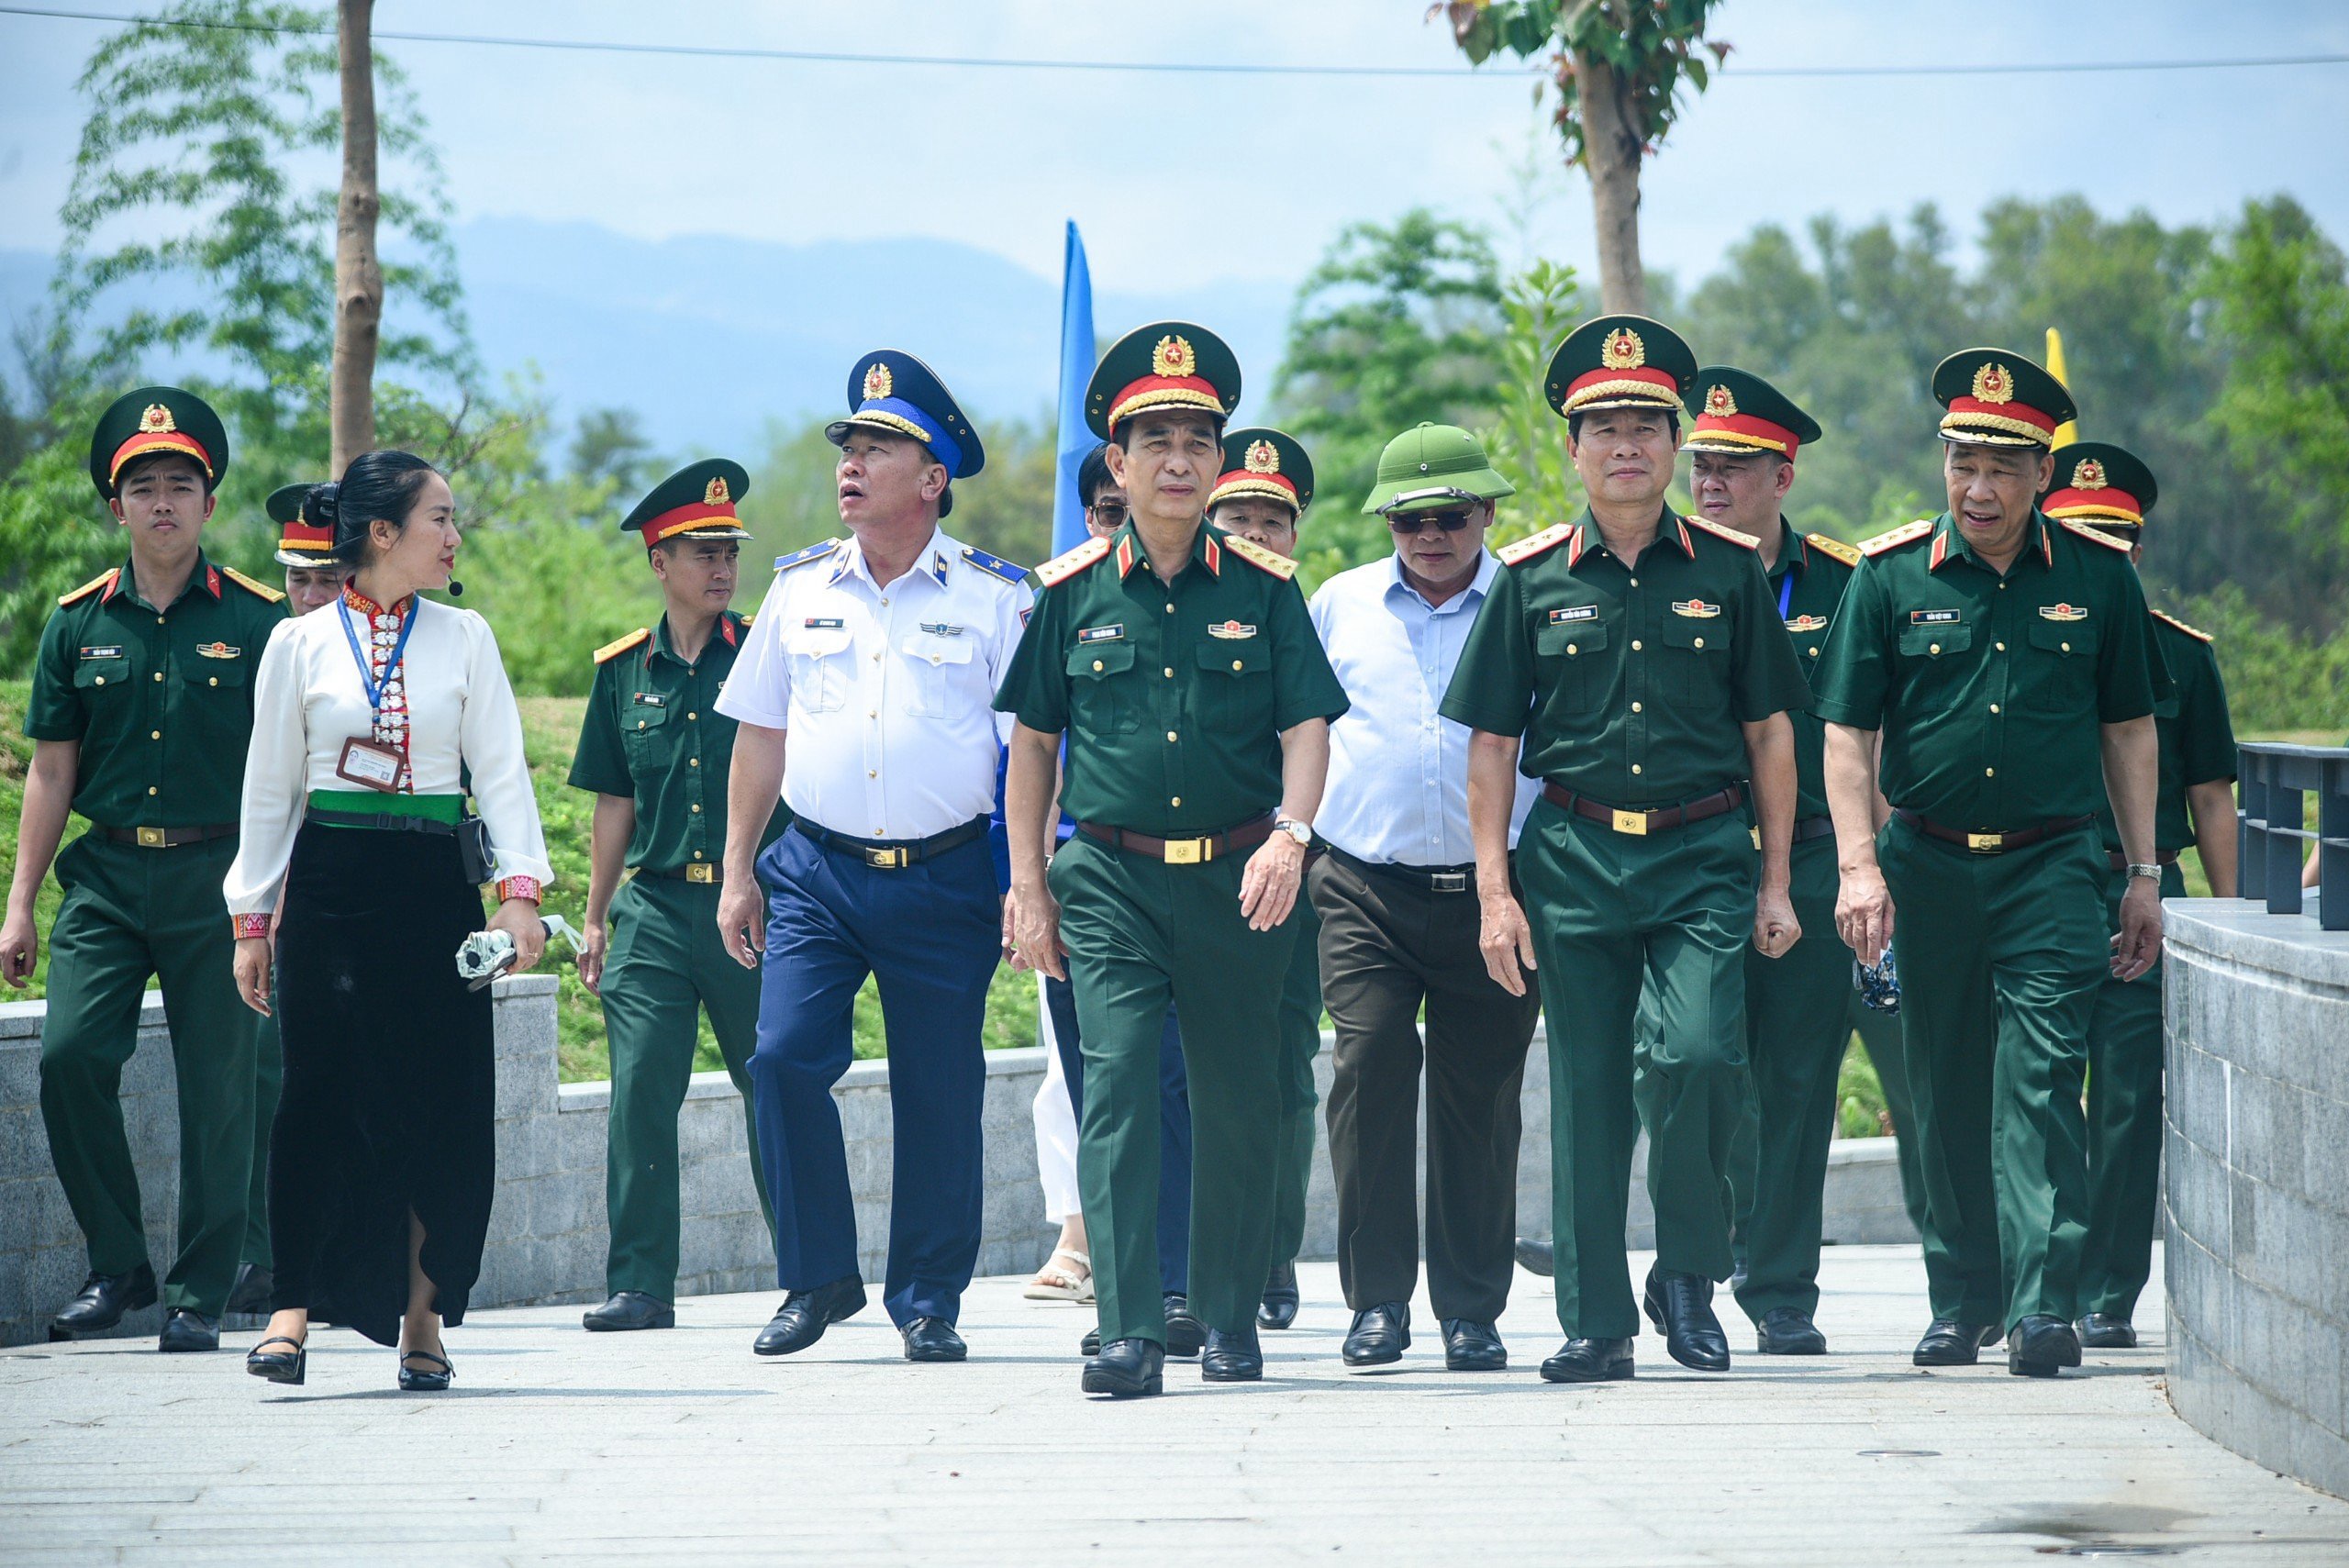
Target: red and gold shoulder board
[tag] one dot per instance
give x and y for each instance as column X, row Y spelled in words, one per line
column 1907, row 533
column 103, row 580
column 1067, row 564
column 1256, row 555
column 2101, row 538
column 1717, row 531
column 1533, row 545
column 274, row 595
column 2190, row 631
column 611, row 650
column 1833, row 548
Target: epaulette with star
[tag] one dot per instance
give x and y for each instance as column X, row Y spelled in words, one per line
column 1068, row 563
column 1907, row 533
column 103, row 580
column 1257, row 556
column 2105, row 539
column 821, row 549
column 1719, row 531
column 994, row 565
column 274, row 595
column 1527, row 548
column 611, row 650
column 1834, row 548
column 2191, row 631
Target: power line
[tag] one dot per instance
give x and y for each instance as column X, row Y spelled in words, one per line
column 1192, row 68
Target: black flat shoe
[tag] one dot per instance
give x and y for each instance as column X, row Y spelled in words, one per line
column 253, row 1290
column 1536, row 1257
column 1949, row 1342
column 1589, row 1360
column 1126, row 1368
column 2040, row 1346
column 1231, row 1357
column 933, row 1340
column 1091, row 1344
column 1788, row 1331
column 1681, row 1306
column 186, row 1328
column 1185, row 1333
column 1278, row 1309
column 102, row 1301
column 413, row 1380
column 627, row 1311
column 2103, row 1331
column 276, row 1367
column 1380, row 1335
column 1471, row 1346
column 804, row 1316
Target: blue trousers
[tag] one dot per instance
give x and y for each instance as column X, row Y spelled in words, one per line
column 1173, row 1129
column 929, row 934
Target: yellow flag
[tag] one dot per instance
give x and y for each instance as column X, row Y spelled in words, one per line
column 2070, row 430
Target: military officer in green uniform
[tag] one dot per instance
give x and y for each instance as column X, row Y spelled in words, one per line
column 2109, row 489
column 1180, row 664
column 2007, row 661
column 1261, row 496
column 656, row 753
column 1636, row 661
column 141, row 711
column 305, row 550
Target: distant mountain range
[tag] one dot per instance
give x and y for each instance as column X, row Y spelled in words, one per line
column 709, row 338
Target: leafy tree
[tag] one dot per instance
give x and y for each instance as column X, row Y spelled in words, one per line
column 1528, row 443
column 611, row 445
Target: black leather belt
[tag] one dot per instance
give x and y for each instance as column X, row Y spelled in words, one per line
column 887, row 854
column 381, row 821
column 1809, row 827
column 696, row 870
column 1639, row 823
column 168, row 838
column 2115, row 861
column 1990, row 843
column 1427, row 879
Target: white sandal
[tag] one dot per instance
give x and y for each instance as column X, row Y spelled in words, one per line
column 1054, row 1283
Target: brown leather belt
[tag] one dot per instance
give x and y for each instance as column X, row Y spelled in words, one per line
column 1639, row 823
column 697, row 871
column 1183, row 851
column 2115, row 861
column 1990, row 843
column 1809, row 828
column 168, row 838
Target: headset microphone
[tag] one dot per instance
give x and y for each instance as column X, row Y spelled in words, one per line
column 456, row 589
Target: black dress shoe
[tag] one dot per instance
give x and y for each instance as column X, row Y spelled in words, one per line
column 253, row 1290
column 186, row 1328
column 1278, row 1309
column 432, row 1378
column 1380, row 1335
column 277, row 1365
column 103, row 1300
column 804, row 1316
column 1471, row 1346
column 1185, row 1332
column 1127, row 1367
column 628, row 1310
column 2103, row 1331
column 2040, row 1345
column 1788, row 1331
column 1536, row 1257
column 933, row 1340
column 1681, row 1306
column 1949, row 1342
column 1589, row 1360
column 1091, row 1344
column 1231, row 1356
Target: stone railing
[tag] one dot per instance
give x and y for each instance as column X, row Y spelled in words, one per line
column 547, row 1232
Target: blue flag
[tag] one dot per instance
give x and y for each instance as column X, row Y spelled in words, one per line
column 1077, row 372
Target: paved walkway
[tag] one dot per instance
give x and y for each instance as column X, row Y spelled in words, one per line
column 683, row 1447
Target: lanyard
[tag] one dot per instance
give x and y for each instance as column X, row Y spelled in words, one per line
column 1786, row 592
column 376, row 688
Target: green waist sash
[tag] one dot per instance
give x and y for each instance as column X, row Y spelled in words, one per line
column 448, row 809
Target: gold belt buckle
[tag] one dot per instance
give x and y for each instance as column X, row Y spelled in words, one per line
column 1633, row 822
column 895, row 858
column 153, row 839
column 1986, row 843
column 701, row 872
column 1186, row 852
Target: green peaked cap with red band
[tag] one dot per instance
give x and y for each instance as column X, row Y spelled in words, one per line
column 156, row 419
column 1261, row 460
column 1167, row 364
column 1997, row 398
column 697, row 500
column 1619, row 362
column 1738, row 413
column 300, row 542
column 2097, row 481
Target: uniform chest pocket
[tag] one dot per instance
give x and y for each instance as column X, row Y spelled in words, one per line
column 215, row 696
column 2062, row 666
column 644, row 726
column 1936, row 640
column 96, row 674
column 1694, row 657
column 821, row 656
column 939, row 665
column 1102, row 700
column 1235, row 689
column 1572, row 662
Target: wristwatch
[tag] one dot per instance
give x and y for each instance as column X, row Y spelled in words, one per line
column 2154, row 872
column 1300, row 831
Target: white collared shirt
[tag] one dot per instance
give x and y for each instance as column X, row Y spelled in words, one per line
column 1397, row 792
column 887, row 694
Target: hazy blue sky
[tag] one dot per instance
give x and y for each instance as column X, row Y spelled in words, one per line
column 1180, row 180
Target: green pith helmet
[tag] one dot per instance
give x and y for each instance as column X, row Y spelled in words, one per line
column 2097, row 482
column 1260, row 460
column 156, row 419
column 1619, row 362
column 697, row 500
column 1167, row 364
column 1999, row 399
column 1738, row 413
column 1431, row 465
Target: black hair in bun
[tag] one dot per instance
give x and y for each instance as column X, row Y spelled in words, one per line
column 319, row 507
column 378, row 485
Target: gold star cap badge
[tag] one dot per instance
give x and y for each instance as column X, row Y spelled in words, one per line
column 1623, row 350
column 1992, row 384
column 717, row 494
column 2089, row 475
column 1174, row 356
column 1263, row 458
column 1719, row 402
column 878, row 382
column 157, row 420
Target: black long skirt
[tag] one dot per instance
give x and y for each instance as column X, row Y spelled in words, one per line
column 388, row 1107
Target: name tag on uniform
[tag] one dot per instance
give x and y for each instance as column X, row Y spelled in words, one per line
column 825, row 623
column 651, row 699
column 370, row 764
column 1231, row 631
column 1101, row 633
column 109, row 650
column 1574, row 612
column 1695, row 609
column 2064, row 612
column 940, row 629
column 1934, row 617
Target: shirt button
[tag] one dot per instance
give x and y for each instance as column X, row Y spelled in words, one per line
column 1699, row 642
column 1175, row 800
column 1933, row 648
column 1170, row 609
column 689, row 717
column 150, row 789
column 99, row 682
column 1635, row 767
column 1170, row 673
column 1994, row 707
column 639, row 724
column 1814, row 651
column 1635, row 645
column 1097, row 664
column 1635, row 707
column 158, row 620
column 1170, row 736
column 884, row 602
column 1999, row 646
column 2067, row 646
column 871, row 773
column 1635, row 582
column 696, row 806
column 159, row 675
column 692, row 761
column 1989, row 773
column 1236, row 665
column 1570, row 650
column 216, row 680
column 155, row 735
column 697, row 854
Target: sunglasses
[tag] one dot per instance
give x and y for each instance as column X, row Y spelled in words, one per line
column 1452, row 519
column 1111, row 513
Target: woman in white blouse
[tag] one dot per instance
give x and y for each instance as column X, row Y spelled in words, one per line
column 369, row 716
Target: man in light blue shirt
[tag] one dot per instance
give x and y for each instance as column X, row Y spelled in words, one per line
column 1396, row 898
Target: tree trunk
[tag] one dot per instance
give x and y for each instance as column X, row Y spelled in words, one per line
column 357, row 277
column 1611, row 153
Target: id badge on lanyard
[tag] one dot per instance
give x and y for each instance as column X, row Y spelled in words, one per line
column 365, row 761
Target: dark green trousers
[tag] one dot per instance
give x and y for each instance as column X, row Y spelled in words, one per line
column 129, row 914
column 2124, row 1124
column 1612, row 913
column 2002, row 958
column 1300, row 1044
column 1141, row 935
column 269, row 1079
column 666, row 967
column 1881, row 1034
